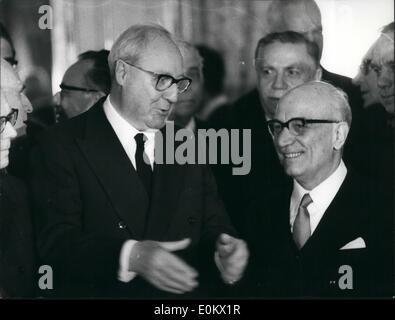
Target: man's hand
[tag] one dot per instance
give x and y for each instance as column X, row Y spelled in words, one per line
column 232, row 255
column 154, row 261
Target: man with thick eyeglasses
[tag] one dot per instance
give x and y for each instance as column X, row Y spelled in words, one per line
column 16, row 240
column 84, row 83
column 111, row 221
column 326, row 223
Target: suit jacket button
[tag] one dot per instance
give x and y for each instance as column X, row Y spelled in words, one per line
column 121, row 225
column 192, row 220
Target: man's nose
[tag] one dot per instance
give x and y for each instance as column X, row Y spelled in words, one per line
column 386, row 79
column 9, row 131
column 171, row 94
column 56, row 98
column 279, row 83
column 357, row 79
column 284, row 138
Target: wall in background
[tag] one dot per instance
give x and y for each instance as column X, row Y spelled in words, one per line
column 231, row 26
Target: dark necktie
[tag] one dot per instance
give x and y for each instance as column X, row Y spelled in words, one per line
column 301, row 228
column 143, row 167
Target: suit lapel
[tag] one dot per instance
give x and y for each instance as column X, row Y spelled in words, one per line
column 340, row 224
column 114, row 171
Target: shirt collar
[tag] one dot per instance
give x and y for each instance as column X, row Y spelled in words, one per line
column 122, row 127
column 323, row 194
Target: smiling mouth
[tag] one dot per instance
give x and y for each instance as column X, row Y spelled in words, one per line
column 292, row 155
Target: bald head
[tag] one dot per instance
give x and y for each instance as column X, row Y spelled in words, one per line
column 325, row 100
column 301, row 16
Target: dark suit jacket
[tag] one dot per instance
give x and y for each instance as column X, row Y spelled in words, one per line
column 89, row 200
column 16, row 240
column 278, row 269
column 266, row 172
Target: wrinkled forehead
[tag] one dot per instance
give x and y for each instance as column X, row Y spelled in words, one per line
column 162, row 56
column 310, row 102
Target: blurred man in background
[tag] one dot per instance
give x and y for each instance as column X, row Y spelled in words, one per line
column 84, row 83
column 188, row 103
column 214, row 72
column 367, row 82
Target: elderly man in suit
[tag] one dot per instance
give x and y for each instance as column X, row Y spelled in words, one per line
column 111, row 220
column 321, row 241
column 16, row 240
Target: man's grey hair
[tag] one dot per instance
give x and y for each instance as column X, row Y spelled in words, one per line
column 185, row 46
column 133, row 41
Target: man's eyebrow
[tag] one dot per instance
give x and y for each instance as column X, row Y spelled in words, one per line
column 299, row 65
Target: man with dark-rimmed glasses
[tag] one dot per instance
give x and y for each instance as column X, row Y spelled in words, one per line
column 327, row 229
column 84, row 83
column 16, row 240
column 122, row 224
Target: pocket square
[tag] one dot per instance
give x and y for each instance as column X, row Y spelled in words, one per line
column 358, row 243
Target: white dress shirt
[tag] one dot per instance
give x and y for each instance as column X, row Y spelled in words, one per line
column 126, row 133
column 322, row 196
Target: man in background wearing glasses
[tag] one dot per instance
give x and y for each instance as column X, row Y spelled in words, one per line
column 84, row 83
column 325, row 238
column 16, row 240
column 112, row 222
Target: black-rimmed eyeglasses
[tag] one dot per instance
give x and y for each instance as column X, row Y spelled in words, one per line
column 74, row 88
column 12, row 61
column 165, row 81
column 295, row 126
column 11, row 118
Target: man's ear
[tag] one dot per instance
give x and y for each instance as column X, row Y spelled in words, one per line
column 340, row 135
column 120, row 72
column 318, row 74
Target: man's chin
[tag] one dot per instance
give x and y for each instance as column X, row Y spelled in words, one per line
column 157, row 122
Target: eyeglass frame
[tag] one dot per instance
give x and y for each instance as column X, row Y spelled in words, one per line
column 366, row 66
column 8, row 118
column 304, row 122
column 159, row 75
column 75, row 88
column 12, row 61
